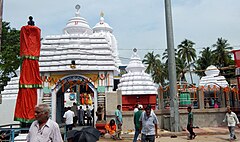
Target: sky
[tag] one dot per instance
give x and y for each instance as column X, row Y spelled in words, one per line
column 136, row 23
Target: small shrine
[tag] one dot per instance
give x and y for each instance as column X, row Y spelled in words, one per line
column 137, row 87
column 212, row 78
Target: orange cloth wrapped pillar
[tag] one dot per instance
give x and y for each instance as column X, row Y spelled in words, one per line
column 30, row 78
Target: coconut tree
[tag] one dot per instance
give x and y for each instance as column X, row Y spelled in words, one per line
column 165, row 55
column 222, row 52
column 150, row 61
column 154, row 67
column 187, row 52
column 204, row 60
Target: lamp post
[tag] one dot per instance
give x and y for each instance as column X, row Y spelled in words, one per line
column 174, row 113
column 1, row 13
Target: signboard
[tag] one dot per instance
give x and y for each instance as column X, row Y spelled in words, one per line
column 237, row 57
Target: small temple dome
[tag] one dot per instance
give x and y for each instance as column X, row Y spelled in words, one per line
column 77, row 24
column 212, row 78
column 135, row 64
column 136, row 81
column 102, row 25
column 212, row 71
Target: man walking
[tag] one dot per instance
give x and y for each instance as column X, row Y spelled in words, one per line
column 81, row 117
column 190, row 123
column 43, row 129
column 137, row 115
column 118, row 117
column 89, row 116
column 148, row 125
column 75, row 118
column 232, row 120
column 68, row 117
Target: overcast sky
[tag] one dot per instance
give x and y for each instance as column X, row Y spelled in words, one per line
column 136, row 23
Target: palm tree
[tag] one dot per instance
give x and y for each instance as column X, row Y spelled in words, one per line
column 154, row 67
column 222, row 52
column 165, row 55
column 204, row 60
column 187, row 53
column 150, row 61
column 181, row 69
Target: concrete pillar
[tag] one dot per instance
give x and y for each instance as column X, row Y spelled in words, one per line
column 201, row 98
column 223, row 104
column 160, row 99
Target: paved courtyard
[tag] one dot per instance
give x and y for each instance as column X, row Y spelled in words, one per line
column 201, row 138
column 208, row 134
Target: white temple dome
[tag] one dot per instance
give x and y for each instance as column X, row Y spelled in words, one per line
column 212, row 71
column 77, row 24
column 136, row 81
column 102, row 26
column 212, row 78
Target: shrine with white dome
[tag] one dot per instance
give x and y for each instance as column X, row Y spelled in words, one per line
column 137, row 87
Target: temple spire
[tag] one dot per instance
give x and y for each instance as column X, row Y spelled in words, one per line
column 77, row 7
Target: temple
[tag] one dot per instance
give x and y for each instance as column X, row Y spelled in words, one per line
column 137, row 87
column 76, row 66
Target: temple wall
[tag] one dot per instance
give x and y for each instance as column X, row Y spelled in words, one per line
column 202, row 117
column 7, row 109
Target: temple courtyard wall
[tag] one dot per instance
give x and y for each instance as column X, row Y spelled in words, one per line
column 202, row 117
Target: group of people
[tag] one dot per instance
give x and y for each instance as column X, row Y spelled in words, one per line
column 74, row 115
column 145, row 123
column 230, row 118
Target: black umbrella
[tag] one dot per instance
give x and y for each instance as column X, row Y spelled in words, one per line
column 71, row 134
column 87, row 134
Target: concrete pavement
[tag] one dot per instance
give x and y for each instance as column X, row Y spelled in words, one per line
column 201, row 138
column 209, row 134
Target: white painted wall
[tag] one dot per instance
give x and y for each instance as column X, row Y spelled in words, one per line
column 7, row 109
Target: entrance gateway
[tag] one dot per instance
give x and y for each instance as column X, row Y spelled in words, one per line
column 76, row 84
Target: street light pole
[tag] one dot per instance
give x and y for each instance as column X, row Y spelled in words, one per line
column 174, row 112
column 1, row 15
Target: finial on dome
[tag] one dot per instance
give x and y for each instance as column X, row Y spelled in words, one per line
column 78, row 8
column 101, row 18
column 101, row 14
column 134, row 50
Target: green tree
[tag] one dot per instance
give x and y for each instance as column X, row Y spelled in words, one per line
column 150, row 61
column 222, row 52
column 204, row 60
column 188, row 53
column 181, row 69
column 154, row 67
column 9, row 55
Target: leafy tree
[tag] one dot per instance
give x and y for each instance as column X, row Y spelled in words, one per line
column 154, row 67
column 205, row 59
column 222, row 53
column 181, row 69
column 150, row 61
column 9, row 55
column 187, row 52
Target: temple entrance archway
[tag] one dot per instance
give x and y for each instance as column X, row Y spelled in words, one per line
column 73, row 83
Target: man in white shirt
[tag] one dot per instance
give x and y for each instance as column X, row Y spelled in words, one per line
column 43, row 129
column 148, row 125
column 232, row 120
column 68, row 117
